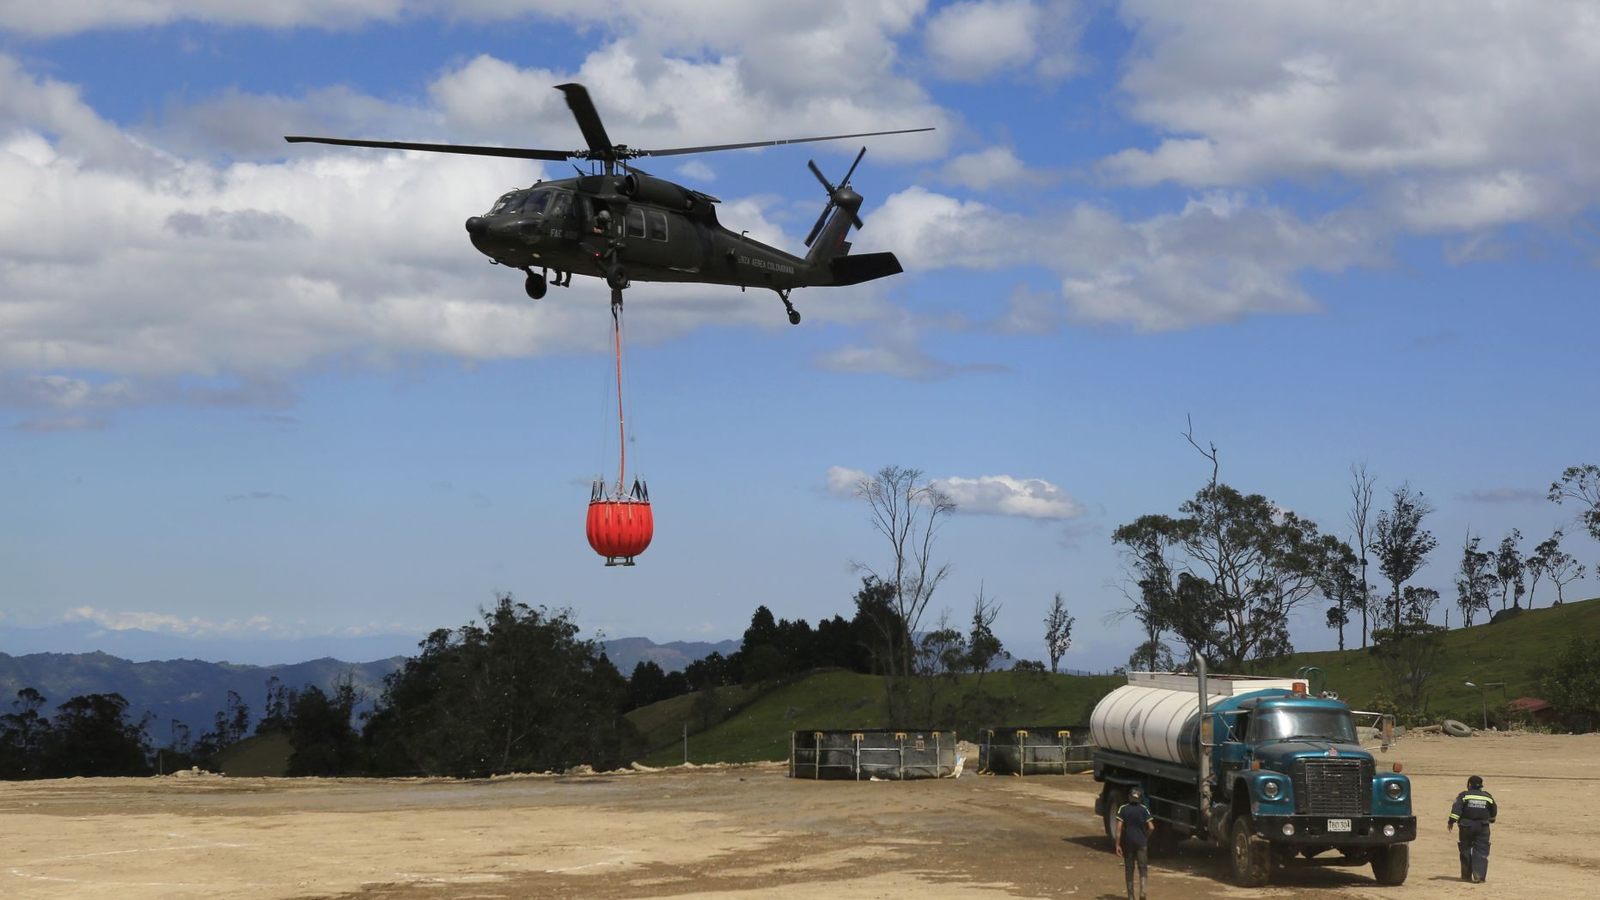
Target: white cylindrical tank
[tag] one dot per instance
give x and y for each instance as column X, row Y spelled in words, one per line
column 1159, row 723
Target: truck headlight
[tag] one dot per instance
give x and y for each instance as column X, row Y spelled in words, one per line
column 1270, row 790
column 1388, row 831
column 1394, row 790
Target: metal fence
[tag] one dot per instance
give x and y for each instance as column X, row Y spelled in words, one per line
column 865, row 755
column 1047, row 750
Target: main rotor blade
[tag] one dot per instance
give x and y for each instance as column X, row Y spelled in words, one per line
column 679, row 151
column 511, row 152
column 588, row 120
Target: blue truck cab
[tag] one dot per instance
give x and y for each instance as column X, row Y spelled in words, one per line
column 1274, row 774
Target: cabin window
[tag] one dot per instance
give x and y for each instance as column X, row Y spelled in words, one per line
column 635, row 222
column 658, row 225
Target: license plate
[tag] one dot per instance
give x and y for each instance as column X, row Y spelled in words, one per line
column 1338, row 825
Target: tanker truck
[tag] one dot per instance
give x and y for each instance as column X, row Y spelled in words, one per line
column 1257, row 765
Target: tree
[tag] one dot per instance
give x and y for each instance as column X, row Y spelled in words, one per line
column 942, row 649
column 983, row 648
column 1360, row 507
column 1339, row 579
column 517, row 691
column 1561, row 567
column 1247, row 565
column 1408, row 656
column 1151, row 657
column 1147, row 541
column 1401, row 543
column 275, row 712
column 879, row 627
column 1581, row 484
column 1057, row 631
column 92, row 736
column 1538, row 562
column 1508, row 569
column 1474, row 580
column 1572, row 684
column 906, row 511
column 24, row 734
column 323, row 739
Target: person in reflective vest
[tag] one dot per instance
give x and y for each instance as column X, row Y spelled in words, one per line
column 1132, row 839
column 1473, row 812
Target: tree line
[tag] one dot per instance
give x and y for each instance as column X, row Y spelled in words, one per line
column 1221, row 577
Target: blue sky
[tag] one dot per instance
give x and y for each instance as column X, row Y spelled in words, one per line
column 261, row 390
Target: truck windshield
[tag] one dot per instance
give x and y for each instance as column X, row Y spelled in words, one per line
column 1305, row 724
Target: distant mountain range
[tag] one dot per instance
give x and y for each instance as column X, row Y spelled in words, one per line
column 146, row 646
column 193, row 691
column 149, row 646
column 626, row 653
column 188, row 690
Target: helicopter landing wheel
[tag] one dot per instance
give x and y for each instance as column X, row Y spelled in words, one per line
column 536, row 286
column 794, row 317
column 617, row 278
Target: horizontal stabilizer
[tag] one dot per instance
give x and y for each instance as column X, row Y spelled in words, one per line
column 864, row 267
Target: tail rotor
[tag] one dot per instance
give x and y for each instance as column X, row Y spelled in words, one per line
column 835, row 196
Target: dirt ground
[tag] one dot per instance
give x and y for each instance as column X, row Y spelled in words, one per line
column 742, row 831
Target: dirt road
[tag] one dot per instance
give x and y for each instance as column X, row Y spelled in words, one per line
column 742, row 831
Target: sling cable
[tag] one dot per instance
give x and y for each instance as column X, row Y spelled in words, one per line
column 620, row 522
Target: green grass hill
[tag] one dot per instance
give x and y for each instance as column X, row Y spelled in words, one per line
column 1511, row 651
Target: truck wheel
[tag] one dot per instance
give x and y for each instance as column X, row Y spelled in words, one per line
column 1390, row 864
column 1251, row 867
column 1114, row 799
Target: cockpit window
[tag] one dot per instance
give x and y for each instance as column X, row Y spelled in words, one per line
column 534, row 205
column 1280, row 724
column 560, row 203
column 503, row 204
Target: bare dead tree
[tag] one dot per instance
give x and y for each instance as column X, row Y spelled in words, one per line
column 1361, row 483
column 907, row 511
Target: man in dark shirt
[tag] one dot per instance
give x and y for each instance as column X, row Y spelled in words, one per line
column 1132, row 839
column 1474, row 811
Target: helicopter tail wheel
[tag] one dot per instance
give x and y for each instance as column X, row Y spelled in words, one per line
column 794, row 314
column 535, row 286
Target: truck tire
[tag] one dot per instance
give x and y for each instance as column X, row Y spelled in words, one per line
column 1251, row 867
column 1457, row 729
column 1390, row 864
column 1114, row 799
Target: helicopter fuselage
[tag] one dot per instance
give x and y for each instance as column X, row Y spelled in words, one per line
column 638, row 228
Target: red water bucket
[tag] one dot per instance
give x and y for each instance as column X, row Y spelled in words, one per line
column 620, row 528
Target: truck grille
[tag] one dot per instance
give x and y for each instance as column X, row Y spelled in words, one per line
column 1332, row 787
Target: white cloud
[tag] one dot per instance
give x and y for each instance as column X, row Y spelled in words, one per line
column 897, row 350
column 975, row 39
column 988, row 168
column 998, row 495
column 1220, row 258
column 192, row 626
column 1462, row 114
column 1003, row 495
column 842, row 481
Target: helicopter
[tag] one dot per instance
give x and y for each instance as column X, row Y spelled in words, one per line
column 628, row 225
